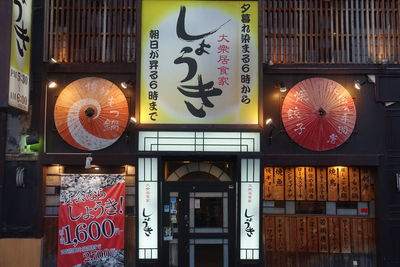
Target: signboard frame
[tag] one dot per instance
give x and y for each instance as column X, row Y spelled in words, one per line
column 20, row 55
column 166, row 109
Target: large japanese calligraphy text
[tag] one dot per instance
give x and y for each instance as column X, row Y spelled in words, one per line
column 199, row 62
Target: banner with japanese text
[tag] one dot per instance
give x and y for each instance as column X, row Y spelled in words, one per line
column 147, row 220
column 250, row 221
column 199, row 62
column 91, row 220
column 20, row 54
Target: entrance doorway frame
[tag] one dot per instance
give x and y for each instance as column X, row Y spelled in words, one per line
column 185, row 189
column 242, row 148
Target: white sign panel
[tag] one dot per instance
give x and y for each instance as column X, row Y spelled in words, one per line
column 147, row 222
column 20, row 54
column 250, row 221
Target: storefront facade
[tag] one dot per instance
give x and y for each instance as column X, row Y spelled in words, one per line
column 235, row 130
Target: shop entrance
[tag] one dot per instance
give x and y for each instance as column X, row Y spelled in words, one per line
column 198, row 221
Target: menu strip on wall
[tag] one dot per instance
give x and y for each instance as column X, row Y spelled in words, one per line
column 354, row 180
column 323, row 234
column 365, row 183
column 343, row 184
column 334, row 235
column 269, row 232
column 332, row 184
column 279, row 184
column 268, row 183
column 280, row 233
column 300, row 183
column 289, row 184
column 311, row 190
column 301, row 238
column 312, row 236
column 345, row 235
column 321, row 184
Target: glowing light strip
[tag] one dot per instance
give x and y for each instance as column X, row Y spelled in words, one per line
column 250, row 209
column 199, row 141
column 147, row 208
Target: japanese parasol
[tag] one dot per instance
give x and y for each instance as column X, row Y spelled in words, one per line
column 91, row 113
column 318, row 114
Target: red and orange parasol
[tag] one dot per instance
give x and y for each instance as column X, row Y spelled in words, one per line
column 318, row 114
column 91, row 113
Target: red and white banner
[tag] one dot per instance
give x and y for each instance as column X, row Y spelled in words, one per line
column 91, row 220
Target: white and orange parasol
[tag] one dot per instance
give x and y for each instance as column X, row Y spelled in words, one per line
column 91, row 113
column 318, row 114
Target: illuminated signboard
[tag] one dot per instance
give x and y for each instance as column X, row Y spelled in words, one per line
column 20, row 56
column 250, row 210
column 147, row 208
column 199, row 62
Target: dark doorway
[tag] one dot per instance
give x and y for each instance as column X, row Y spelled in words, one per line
column 198, row 223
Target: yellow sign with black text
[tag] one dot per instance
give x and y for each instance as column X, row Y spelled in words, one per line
column 20, row 54
column 199, row 62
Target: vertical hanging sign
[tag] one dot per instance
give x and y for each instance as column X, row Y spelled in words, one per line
column 268, row 183
column 250, row 210
column 147, row 208
column 199, row 62
column 91, row 220
column 20, row 54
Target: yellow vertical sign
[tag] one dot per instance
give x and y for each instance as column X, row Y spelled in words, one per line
column 20, row 54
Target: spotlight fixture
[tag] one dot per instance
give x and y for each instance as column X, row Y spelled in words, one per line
column 370, row 79
column 281, row 86
column 126, row 84
column 133, row 120
column 272, row 127
column 52, row 84
column 358, row 84
column 53, row 60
